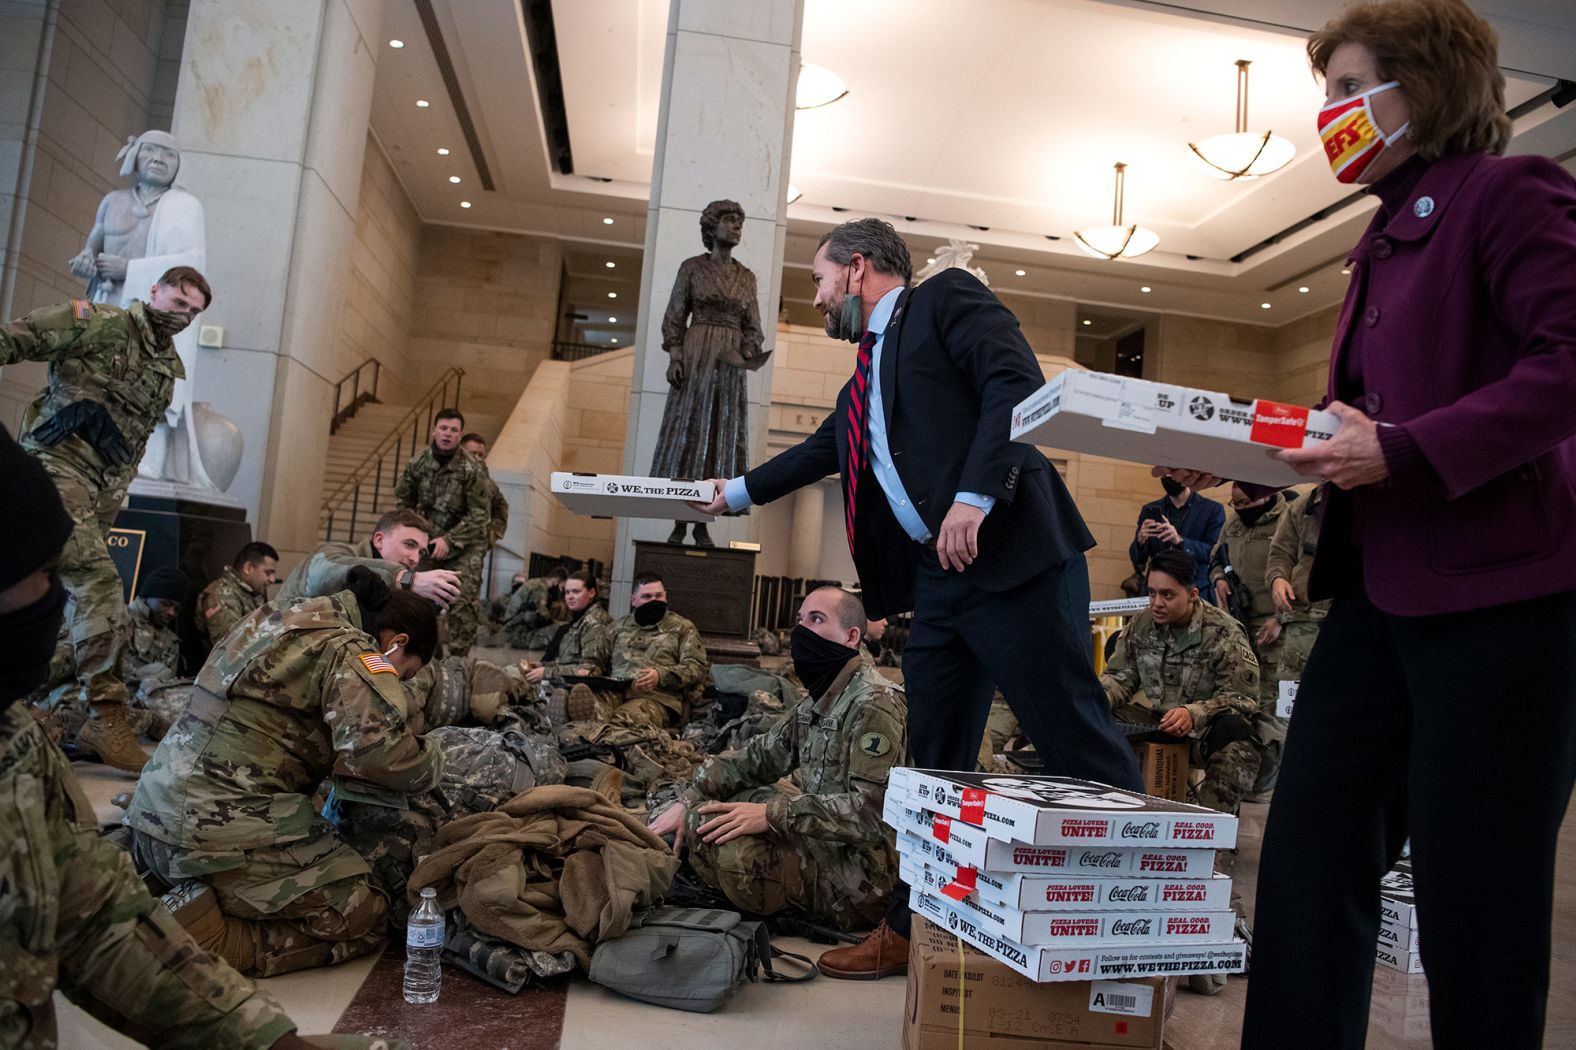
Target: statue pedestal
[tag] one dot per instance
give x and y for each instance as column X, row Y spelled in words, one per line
column 710, row 586
column 197, row 533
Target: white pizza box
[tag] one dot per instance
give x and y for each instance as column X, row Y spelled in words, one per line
column 1397, row 938
column 1286, row 699
column 1099, row 962
column 1118, row 607
column 1056, row 811
column 1397, row 904
column 1076, row 928
column 630, row 496
column 1071, row 892
column 969, row 847
column 1170, row 425
column 1406, row 962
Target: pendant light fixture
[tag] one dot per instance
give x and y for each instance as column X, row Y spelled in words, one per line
column 1243, row 154
column 1117, row 241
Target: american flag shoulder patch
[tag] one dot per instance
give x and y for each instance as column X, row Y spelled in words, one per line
column 375, row 663
column 81, row 309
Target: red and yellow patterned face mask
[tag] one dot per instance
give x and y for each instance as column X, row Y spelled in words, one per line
column 1351, row 136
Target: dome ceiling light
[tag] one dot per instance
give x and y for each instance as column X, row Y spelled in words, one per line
column 1243, row 154
column 1117, row 241
column 817, row 87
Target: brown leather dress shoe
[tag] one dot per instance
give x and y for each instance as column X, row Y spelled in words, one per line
column 882, row 953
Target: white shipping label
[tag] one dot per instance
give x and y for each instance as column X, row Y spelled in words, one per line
column 1132, row 417
column 1119, row 997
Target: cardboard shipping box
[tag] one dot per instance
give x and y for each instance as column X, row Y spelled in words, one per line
column 1054, row 811
column 1001, row 1009
column 1175, row 426
column 630, row 496
column 1163, row 765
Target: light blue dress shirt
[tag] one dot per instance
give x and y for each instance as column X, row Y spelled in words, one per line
column 880, row 452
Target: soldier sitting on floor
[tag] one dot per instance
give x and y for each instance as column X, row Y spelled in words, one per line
column 298, row 692
column 242, row 587
column 662, row 655
column 583, row 646
column 1185, row 667
column 535, row 610
column 815, row 844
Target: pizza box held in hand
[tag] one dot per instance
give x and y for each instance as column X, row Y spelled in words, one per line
column 630, row 496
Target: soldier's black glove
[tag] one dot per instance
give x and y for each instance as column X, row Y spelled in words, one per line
column 90, row 421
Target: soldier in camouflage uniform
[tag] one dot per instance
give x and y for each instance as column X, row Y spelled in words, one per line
column 475, row 446
column 1250, row 526
column 662, row 655
column 816, row 844
column 398, row 541
column 1288, row 567
column 154, row 649
column 1185, row 667
column 74, row 916
column 295, row 694
column 112, row 374
column 583, row 646
column 453, row 492
column 242, row 588
column 536, row 610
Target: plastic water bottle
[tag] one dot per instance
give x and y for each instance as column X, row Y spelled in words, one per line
column 423, row 945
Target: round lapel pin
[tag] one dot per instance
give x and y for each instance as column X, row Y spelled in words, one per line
column 1424, row 207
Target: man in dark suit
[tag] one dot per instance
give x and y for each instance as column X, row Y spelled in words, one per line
column 974, row 533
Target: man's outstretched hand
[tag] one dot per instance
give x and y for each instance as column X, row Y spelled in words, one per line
column 719, row 504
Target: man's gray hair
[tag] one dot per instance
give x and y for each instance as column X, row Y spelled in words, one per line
column 876, row 240
column 850, row 610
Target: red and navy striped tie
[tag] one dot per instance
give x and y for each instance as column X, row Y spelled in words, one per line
column 858, row 403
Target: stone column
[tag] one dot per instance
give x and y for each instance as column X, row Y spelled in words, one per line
column 726, row 130
column 804, row 550
column 271, row 112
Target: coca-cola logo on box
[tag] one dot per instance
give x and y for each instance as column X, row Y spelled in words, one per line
column 1140, row 927
column 1148, row 829
column 1109, row 859
column 1137, row 893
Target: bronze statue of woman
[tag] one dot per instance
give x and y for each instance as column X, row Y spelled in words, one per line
column 712, row 333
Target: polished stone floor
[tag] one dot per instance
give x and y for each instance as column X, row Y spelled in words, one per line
column 364, row 996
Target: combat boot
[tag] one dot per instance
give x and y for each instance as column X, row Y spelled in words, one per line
column 108, row 735
column 196, row 907
column 882, row 953
column 580, row 703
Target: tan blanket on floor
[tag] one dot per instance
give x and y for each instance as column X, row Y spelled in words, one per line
column 554, row 869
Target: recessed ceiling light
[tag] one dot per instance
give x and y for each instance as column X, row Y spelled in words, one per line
column 1303, row 289
column 465, row 204
column 396, row 44
column 1088, row 322
column 607, row 220
column 443, row 151
column 615, row 340
column 931, row 262
column 1021, row 273
column 611, row 264
column 1346, row 271
column 422, row 103
column 454, row 179
column 612, row 320
column 612, row 295
column 1264, row 306
column 1145, row 289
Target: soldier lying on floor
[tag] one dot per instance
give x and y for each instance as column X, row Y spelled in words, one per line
column 793, row 821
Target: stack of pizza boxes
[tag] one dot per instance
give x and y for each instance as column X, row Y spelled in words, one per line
column 1067, row 880
column 1398, row 921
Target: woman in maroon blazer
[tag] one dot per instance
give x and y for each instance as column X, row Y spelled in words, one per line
column 1440, row 700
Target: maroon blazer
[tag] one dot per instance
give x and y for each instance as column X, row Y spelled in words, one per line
column 1464, row 340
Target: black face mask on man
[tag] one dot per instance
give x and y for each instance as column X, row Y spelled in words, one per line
column 650, row 614
column 816, row 660
column 1173, row 487
column 29, row 634
column 1250, row 515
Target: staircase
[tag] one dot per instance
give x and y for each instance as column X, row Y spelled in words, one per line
column 348, row 449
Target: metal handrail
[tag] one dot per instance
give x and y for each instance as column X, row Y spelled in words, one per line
column 370, row 470
column 564, row 350
column 358, row 397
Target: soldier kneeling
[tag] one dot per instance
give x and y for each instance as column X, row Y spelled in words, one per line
column 793, row 820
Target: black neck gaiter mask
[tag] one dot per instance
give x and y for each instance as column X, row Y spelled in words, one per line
column 29, row 634
column 650, row 614
column 817, row 661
